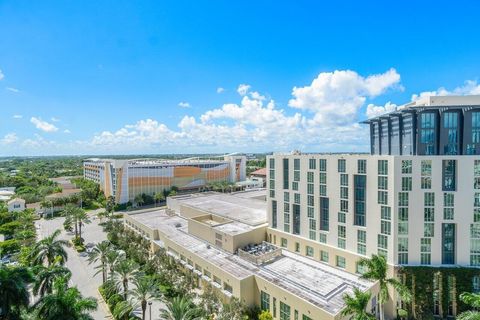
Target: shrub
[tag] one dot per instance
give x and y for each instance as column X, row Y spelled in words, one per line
column 80, row 248
column 77, row 241
column 114, row 300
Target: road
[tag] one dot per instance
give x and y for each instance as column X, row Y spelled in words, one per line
column 83, row 274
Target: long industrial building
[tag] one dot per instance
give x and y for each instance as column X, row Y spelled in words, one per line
column 125, row 179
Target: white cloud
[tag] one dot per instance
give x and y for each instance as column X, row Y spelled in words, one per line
column 1, row 75
column 336, row 97
column 243, row 89
column 15, row 90
column 9, row 138
column 67, row 131
column 55, row 119
column 470, row 87
column 375, row 111
column 17, row 116
column 220, row 90
column 43, row 125
column 184, row 105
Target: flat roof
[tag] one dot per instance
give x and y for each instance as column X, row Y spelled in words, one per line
column 246, row 210
column 314, row 281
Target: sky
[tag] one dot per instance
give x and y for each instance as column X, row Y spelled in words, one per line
column 156, row 77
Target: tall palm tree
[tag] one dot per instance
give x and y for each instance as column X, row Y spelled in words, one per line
column 377, row 271
column 356, row 305
column 123, row 310
column 46, row 276
column 70, row 216
column 145, row 289
column 48, row 249
column 179, row 308
column 99, row 253
column 65, row 303
column 124, row 272
column 82, row 218
column 112, row 258
column 473, row 300
column 13, row 291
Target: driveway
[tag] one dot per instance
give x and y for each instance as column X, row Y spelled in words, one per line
column 83, row 274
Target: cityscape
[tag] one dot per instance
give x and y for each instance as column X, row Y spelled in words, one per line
column 239, row 161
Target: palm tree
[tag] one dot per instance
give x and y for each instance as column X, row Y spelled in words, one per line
column 377, row 271
column 70, row 216
column 46, row 276
column 145, row 289
column 123, row 310
column 13, row 291
column 179, row 308
column 124, row 272
column 112, row 258
column 65, row 303
column 356, row 305
column 99, row 253
column 48, row 249
column 82, row 218
column 473, row 300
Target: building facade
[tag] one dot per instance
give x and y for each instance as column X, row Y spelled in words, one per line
column 125, row 179
column 415, row 199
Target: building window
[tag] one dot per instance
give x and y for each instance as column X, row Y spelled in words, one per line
column 362, row 242
column 284, row 311
column 428, row 229
column 312, row 164
column 342, row 166
column 304, row 317
column 382, row 197
column 406, row 183
column 382, row 183
column 426, row 174
column 406, row 166
column 341, row 237
column 362, row 166
column 341, row 217
column 449, row 175
column 427, row 132
column 296, row 219
column 476, row 284
column 403, row 199
column 360, row 184
column 448, row 203
column 403, row 250
column 475, row 244
column 324, row 256
column 382, row 242
column 283, row 242
column 274, row 302
column 383, row 167
column 322, row 238
column 312, row 223
column 324, row 214
column 340, row 262
column 476, row 173
column 310, row 200
column 450, row 124
column 296, row 164
column 296, row 198
column 274, row 214
column 295, row 186
column 425, row 250
column 322, row 165
column 448, row 243
column 286, row 182
column 310, row 177
column 360, row 268
column 264, row 301
column 429, row 199
column 297, row 247
column 309, row 251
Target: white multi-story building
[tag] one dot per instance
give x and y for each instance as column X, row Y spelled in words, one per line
column 414, row 199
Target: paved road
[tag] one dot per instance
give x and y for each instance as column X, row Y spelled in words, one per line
column 83, row 274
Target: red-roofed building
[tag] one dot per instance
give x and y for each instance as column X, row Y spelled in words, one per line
column 259, row 175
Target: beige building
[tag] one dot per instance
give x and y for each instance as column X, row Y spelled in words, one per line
column 16, row 205
column 221, row 239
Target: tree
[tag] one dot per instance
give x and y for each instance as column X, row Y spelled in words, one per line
column 123, row 310
column 472, row 300
column 356, row 305
column 145, row 289
column 124, row 272
column 158, row 197
column 82, row 218
column 138, row 200
column 110, row 204
column 99, row 253
column 65, row 303
column 377, row 271
column 70, row 212
column 13, row 291
column 265, row 315
column 48, row 249
column 112, row 258
column 46, row 276
column 179, row 308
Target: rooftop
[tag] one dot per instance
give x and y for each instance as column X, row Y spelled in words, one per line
column 243, row 209
column 259, row 172
column 314, row 281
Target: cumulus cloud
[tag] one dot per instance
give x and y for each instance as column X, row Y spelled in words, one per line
column 243, row 89
column 220, row 90
column 375, row 111
column 1, row 75
column 336, row 97
column 11, row 89
column 9, row 138
column 43, row 125
column 469, row 87
column 67, row 131
column 184, row 105
column 17, row 116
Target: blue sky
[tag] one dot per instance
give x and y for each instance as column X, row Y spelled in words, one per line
column 126, row 77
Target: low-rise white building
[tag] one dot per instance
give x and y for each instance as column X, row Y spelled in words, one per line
column 16, row 205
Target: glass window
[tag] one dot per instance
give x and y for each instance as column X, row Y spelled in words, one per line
column 283, row 242
column 406, row 183
column 309, row 251
column 406, row 166
column 264, row 301
column 382, row 241
column 429, row 199
column 342, row 165
column 323, row 178
column 362, row 166
column 383, row 167
column 428, row 229
column 344, row 180
column 322, row 165
column 322, row 237
column 426, row 167
column 312, row 164
column 382, row 183
column 310, row 176
column 449, row 175
column 284, row 311
column 296, row 164
column 324, row 256
column 382, row 197
column 340, row 262
column 403, row 199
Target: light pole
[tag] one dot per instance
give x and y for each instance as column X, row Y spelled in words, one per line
column 150, row 309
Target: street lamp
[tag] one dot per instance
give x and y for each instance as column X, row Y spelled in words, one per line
column 150, row 307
